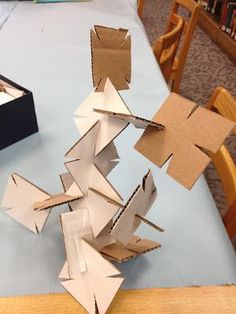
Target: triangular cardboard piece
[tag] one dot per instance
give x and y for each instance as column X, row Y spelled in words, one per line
column 59, row 199
column 95, row 288
column 111, row 57
column 84, row 149
column 138, row 122
column 86, row 117
column 20, row 195
column 91, row 177
column 139, row 203
column 76, row 225
column 189, row 129
column 120, row 253
column 66, row 180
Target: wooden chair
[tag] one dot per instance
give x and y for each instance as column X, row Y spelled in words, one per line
column 166, row 46
column 140, row 8
column 192, row 9
column 224, row 103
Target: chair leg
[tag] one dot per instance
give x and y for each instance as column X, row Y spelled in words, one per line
column 230, row 220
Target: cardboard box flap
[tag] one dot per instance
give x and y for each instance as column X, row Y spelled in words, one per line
column 188, row 128
column 19, row 197
column 96, row 288
column 138, row 122
column 86, row 117
column 111, row 57
column 139, row 203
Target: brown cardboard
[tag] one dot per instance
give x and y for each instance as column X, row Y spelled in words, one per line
column 94, row 289
column 19, row 197
column 189, row 130
column 120, row 253
column 139, row 203
column 138, row 122
column 56, row 200
column 86, row 117
column 111, row 57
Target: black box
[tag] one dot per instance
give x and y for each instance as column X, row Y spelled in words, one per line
column 17, row 117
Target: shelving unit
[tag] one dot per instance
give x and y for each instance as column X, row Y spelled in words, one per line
column 211, row 25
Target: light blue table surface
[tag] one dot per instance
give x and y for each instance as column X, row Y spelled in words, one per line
column 46, row 48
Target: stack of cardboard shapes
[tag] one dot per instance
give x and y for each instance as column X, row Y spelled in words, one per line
column 86, row 117
column 139, row 204
column 121, row 253
column 96, row 286
column 30, row 205
column 189, row 131
column 111, row 57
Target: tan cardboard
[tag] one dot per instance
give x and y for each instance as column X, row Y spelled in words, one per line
column 139, row 203
column 86, row 117
column 94, row 289
column 19, row 197
column 120, row 253
column 111, row 57
column 189, row 130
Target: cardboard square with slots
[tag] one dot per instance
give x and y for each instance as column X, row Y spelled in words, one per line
column 86, row 117
column 189, row 129
column 19, row 197
column 111, row 57
column 138, row 205
column 93, row 289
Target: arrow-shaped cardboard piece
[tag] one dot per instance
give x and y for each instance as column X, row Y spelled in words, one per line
column 96, row 287
column 20, row 195
column 139, row 203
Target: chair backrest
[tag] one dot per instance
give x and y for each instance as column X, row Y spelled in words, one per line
column 140, row 8
column 225, row 104
column 166, row 46
column 190, row 21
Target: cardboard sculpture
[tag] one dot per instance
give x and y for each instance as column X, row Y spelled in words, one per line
column 190, row 131
column 111, row 57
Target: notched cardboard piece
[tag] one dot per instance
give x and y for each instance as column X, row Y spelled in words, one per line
column 111, row 57
column 189, row 130
column 86, row 117
column 19, row 197
column 94, row 289
column 139, row 203
column 136, row 246
column 138, row 122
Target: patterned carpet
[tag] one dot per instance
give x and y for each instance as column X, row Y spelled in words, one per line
column 206, row 67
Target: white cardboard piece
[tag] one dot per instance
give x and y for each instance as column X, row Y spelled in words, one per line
column 76, row 226
column 86, row 117
column 20, row 195
column 84, row 149
column 139, row 203
column 96, row 287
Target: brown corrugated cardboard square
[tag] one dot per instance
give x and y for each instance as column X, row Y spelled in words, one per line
column 111, row 57
column 189, row 130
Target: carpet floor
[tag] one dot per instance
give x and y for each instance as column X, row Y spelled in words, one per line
column 206, row 68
